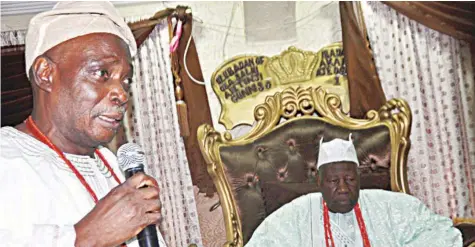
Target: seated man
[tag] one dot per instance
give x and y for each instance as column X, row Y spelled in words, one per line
column 341, row 215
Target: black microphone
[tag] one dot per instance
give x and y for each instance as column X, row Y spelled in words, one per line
column 132, row 160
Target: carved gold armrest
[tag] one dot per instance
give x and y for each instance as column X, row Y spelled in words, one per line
column 461, row 220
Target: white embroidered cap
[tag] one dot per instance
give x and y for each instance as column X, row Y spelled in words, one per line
column 68, row 20
column 337, row 150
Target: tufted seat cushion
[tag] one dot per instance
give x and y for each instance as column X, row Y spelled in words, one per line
column 467, row 228
column 468, row 234
column 281, row 166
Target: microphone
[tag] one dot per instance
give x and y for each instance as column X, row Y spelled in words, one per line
column 131, row 160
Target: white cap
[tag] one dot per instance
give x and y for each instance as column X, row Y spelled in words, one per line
column 68, row 20
column 337, row 150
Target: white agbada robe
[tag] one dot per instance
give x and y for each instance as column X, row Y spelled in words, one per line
column 392, row 220
column 41, row 198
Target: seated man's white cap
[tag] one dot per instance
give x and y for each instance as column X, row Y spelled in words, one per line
column 337, row 150
column 68, row 20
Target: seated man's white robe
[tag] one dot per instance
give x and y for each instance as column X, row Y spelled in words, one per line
column 41, row 198
column 391, row 219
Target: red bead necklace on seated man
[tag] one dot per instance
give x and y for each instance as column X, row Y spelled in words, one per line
column 30, row 124
column 328, row 231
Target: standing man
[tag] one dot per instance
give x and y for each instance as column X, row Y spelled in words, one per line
column 342, row 215
column 58, row 185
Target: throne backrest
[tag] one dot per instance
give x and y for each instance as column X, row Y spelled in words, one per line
column 275, row 162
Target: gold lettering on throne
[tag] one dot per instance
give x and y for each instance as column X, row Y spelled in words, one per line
column 243, row 82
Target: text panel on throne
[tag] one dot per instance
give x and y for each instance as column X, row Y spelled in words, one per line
column 243, row 82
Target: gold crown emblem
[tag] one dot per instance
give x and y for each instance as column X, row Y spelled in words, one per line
column 292, row 65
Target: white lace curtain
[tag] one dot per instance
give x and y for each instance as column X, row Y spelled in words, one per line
column 433, row 72
column 152, row 123
column 15, row 37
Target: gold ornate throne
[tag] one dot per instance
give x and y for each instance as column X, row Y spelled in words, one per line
column 274, row 162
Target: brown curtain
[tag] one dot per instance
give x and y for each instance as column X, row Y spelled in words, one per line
column 456, row 19
column 192, row 101
column 365, row 88
column 142, row 29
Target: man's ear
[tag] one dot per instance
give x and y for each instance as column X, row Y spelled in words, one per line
column 42, row 72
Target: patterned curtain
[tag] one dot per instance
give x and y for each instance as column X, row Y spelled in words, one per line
column 434, row 73
column 152, row 123
column 15, row 37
